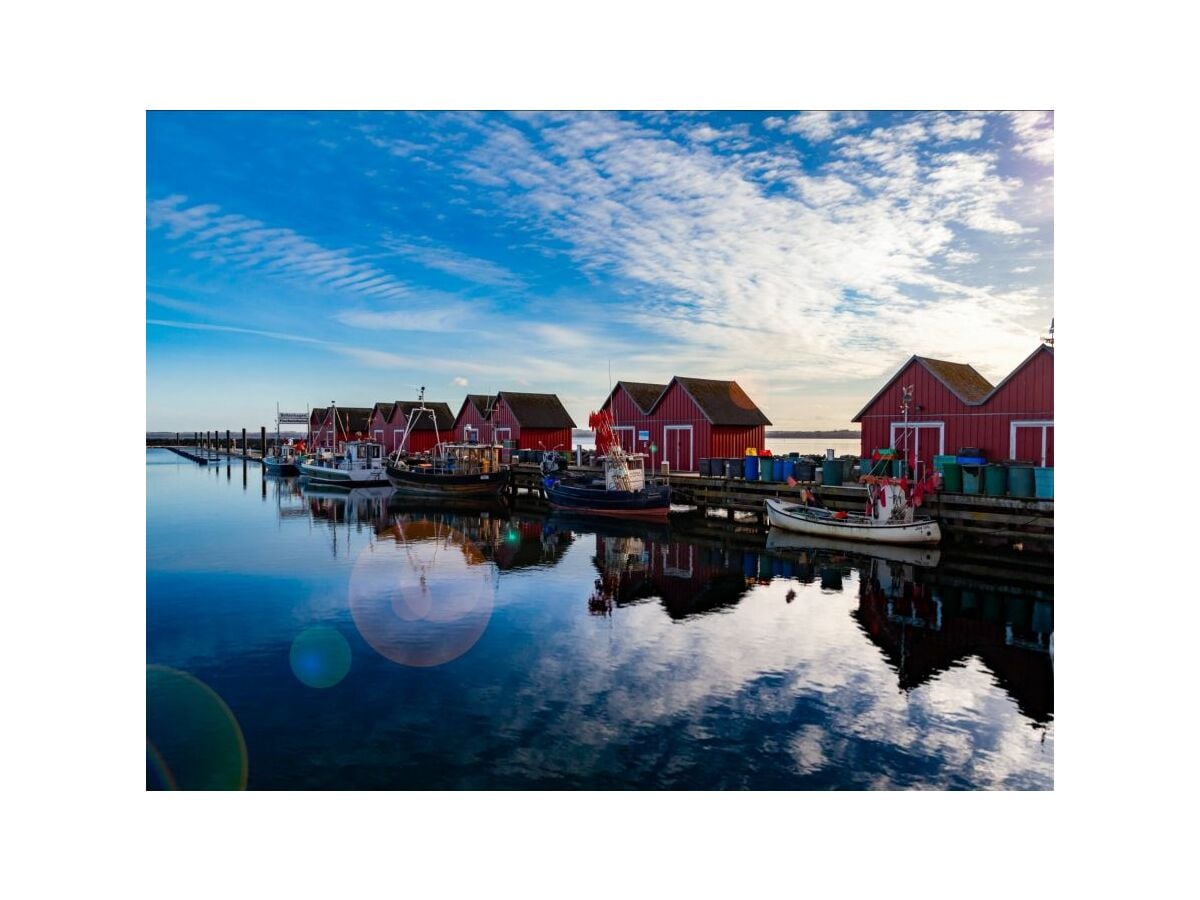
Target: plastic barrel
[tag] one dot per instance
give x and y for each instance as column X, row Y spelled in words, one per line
column 1043, row 480
column 789, row 469
column 1020, row 481
column 995, row 480
column 750, row 468
column 766, row 468
column 831, row 472
column 805, row 470
column 940, row 462
column 952, row 477
column 972, row 479
column 847, row 467
column 777, row 469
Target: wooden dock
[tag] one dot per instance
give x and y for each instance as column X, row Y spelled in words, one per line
column 1003, row 523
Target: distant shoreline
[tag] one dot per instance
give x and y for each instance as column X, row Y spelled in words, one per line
column 840, row 435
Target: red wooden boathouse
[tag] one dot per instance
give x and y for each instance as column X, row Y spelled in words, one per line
column 534, row 421
column 953, row 407
column 689, row 419
column 354, row 423
column 389, row 421
column 471, row 424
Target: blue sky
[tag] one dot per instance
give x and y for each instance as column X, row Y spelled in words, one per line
column 307, row 257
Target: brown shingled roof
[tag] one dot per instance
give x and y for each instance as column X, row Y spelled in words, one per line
column 538, row 410
column 722, row 402
column 441, row 413
column 961, row 379
column 643, row 393
column 385, row 409
column 354, row 418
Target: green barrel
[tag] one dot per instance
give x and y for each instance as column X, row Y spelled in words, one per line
column 952, row 478
column 766, row 468
column 1020, row 481
column 995, row 480
column 1043, row 480
column 940, row 462
column 831, row 472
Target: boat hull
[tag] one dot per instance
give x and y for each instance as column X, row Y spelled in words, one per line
column 799, row 520
column 924, row 555
column 415, row 483
column 274, row 467
column 654, row 502
column 355, row 478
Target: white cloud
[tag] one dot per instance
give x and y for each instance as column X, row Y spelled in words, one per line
column 839, row 278
column 452, row 262
column 821, row 125
column 460, row 381
column 1034, row 131
column 236, row 240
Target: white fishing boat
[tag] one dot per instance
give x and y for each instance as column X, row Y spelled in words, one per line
column 891, row 519
column 924, row 556
column 360, row 464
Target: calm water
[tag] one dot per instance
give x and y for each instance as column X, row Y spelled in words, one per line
column 300, row 640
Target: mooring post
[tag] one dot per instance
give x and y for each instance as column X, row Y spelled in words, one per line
column 178, row 443
column 243, row 443
column 263, row 444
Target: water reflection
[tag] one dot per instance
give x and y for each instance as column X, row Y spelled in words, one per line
column 360, row 642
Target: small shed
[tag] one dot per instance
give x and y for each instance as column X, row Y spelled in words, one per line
column 381, row 430
column 471, row 424
column 953, row 407
column 534, row 421
column 690, row 419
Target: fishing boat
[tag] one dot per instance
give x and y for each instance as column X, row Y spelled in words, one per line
column 924, row 556
column 287, row 457
column 890, row 518
column 360, row 464
column 622, row 492
column 452, row 471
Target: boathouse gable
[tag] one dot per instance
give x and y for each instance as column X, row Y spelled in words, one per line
column 686, row 420
column 533, row 421
column 629, row 403
column 427, row 430
column 953, row 407
column 471, row 425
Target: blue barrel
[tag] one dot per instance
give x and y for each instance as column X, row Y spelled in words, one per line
column 806, row 470
column 789, row 469
column 831, row 472
column 749, row 562
column 972, row 479
column 1043, row 481
column 777, row 469
column 1020, row 481
column 750, row 467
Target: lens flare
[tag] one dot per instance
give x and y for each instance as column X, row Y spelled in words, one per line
column 193, row 741
column 423, row 598
column 320, row 657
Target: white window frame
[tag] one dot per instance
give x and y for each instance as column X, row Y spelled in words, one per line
column 916, row 431
column 378, row 435
column 502, row 435
column 1044, row 424
column 691, row 444
column 468, row 432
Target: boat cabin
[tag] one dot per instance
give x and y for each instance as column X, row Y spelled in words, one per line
column 460, row 459
column 354, row 455
column 627, row 474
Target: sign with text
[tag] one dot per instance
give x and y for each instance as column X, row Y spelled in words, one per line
column 643, row 435
column 293, row 418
